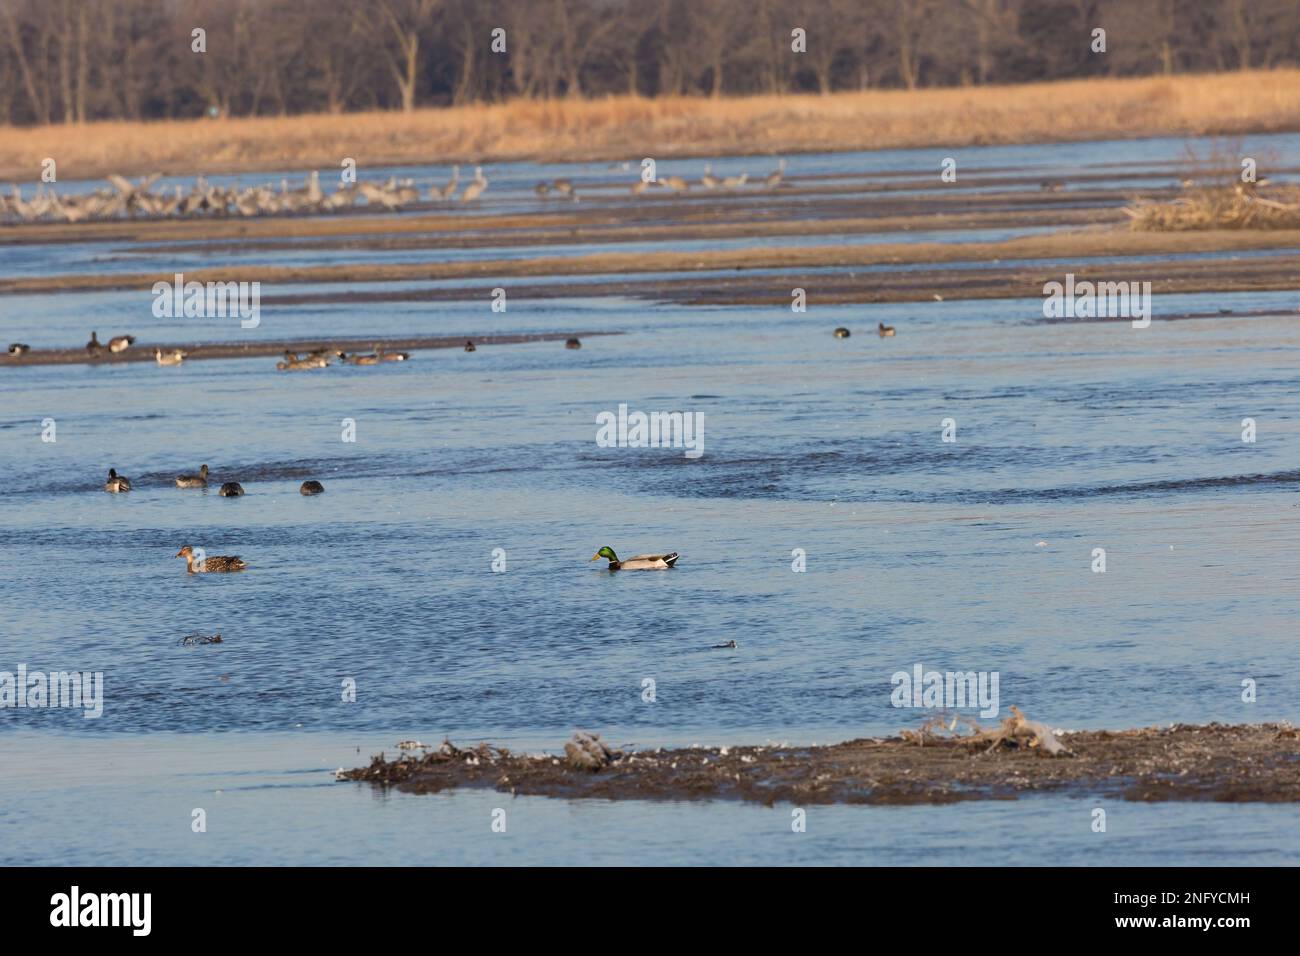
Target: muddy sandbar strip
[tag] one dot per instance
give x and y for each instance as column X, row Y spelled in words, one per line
column 1067, row 246
column 1214, row 762
column 236, row 350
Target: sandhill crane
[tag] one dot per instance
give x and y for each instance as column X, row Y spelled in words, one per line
column 776, row 176
column 475, row 188
column 732, row 182
column 449, row 190
column 676, row 184
column 708, row 180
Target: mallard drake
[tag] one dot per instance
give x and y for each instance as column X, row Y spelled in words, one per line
column 883, row 330
column 573, row 343
column 469, row 347
column 640, row 562
column 217, row 563
column 311, row 487
column 170, row 357
column 17, row 348
column 116, row 482
column 386, row 356
column 841, row 333
column 231, row 489
column 193, row 481
column 94, row 346
column 121, row 343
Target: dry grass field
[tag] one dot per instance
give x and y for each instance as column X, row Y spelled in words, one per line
column 631, row 127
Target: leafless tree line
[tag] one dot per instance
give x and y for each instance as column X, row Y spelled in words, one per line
column 75, row 60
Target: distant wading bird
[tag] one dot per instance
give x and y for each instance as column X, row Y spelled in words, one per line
column 449, row 190
column 217, row 563
column 476, row 186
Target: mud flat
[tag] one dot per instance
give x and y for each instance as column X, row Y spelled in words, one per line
column 235, row 350
column 1213, row 762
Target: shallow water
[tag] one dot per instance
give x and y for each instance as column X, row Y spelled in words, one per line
column 973, row 555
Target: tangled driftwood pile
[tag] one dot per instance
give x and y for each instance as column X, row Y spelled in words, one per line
column 1237, row 206
column 137, row 200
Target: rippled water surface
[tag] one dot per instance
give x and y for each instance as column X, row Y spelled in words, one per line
column 970, row 555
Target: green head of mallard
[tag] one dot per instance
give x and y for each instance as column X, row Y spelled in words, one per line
column 607, row 553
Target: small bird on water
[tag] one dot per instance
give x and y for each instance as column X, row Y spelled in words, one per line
column 311, row 487
column 730, row 645
column 18, row 348
column 219, row 562
column 231, row 489
column 469, row 347
column 885, row 331
column 573, row 344
column 116, row 483
column 841, row 333
column 193, row 481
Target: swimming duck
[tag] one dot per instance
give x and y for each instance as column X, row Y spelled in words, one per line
column 231, row 489
column 94, row 346
column 116, row 482
column 193, row 481
column 542, row 189
column 17, row 348
column 573, row 344
column 841, row 333
column 371, row 359
column 311, row 487
column 386, row 356
column 171, row 357
column 640, row 562
column 729, row 645
column 469, row 347
column 121, row 343
column 217, row 563
column 883, row 330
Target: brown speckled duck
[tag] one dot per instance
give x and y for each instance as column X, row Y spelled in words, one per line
column 231, row 489
column 194, row 481
column 207, row 565
column 311, row 487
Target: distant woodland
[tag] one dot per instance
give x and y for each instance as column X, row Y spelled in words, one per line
column 67, row 61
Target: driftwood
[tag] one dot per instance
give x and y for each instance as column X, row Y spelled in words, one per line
column 1014, row 732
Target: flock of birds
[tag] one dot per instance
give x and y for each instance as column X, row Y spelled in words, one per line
column 199, row 564
column 129, row 199
column 883, row 330
column 292, row 361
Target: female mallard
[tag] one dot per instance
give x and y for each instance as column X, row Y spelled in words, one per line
column 640, row 562
column 170, row 357
column 387, row 356
column 573, row 343
column 371, row 359
column 116, row 482
column 311, row 487
column 193, row 481
column 231, row 489
column 206, row 565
